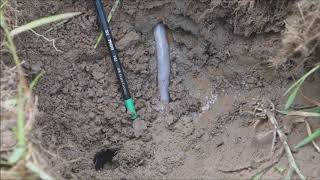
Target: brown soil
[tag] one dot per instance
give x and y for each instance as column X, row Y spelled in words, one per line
column 219, row 59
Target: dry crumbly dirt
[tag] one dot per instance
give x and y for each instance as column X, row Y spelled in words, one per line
column 219, row 53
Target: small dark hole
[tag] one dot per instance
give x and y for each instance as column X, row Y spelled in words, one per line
column 102, row 157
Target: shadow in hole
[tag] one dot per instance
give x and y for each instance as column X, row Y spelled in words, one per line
column 103, row 157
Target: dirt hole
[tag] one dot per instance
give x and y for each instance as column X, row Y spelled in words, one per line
column 103, row 157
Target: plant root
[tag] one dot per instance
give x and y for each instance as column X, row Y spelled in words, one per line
column 53, row 41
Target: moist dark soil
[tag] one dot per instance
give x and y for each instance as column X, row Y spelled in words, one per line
column 219, row 73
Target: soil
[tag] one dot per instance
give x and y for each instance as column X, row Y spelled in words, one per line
column 219, row 58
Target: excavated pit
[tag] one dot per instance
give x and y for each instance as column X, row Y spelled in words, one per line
column 219, row 52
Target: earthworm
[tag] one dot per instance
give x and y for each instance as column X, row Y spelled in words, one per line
column 163, row 61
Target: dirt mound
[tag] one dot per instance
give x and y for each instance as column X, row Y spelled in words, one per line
column 219, row 54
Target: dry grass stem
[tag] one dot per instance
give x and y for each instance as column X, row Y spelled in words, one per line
column 302, row 33
column 283, row 139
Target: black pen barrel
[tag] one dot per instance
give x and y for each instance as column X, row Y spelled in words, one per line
column 112, row 50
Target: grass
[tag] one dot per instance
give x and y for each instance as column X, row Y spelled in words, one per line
column 292, row 92
column 24, row 100
column 41, row 22
column 307, row 140
column 301, row 36
column 299, row 43
column 311, row 112
column 36, row 80
column 294, row 88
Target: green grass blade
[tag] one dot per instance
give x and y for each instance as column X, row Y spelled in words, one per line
column 20, row 134
column 17, row 154
column 42, row 21
column 2, row 19
column 303, row 78
column 258, row 176
column 307, row 140
column 293, row 90
column 3, row 4
column 4, row 163
column 292, row 96
column 19, row 129
column 10, row 103
column 36, row 80
column 289, row 174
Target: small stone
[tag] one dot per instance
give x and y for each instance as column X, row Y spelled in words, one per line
column 123, row 109
column 35, row 68
column 55, row 88
column 139, row 127
column 205, row 138
column 91, row 115
column 163, row 169
column 199, row 133
column 169, row 119
column 188, row 129
column 97, row 75
column 263, row 138
column 91, row 93
column 197, row 147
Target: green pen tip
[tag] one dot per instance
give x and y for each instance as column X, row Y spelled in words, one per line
column 129, row 103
